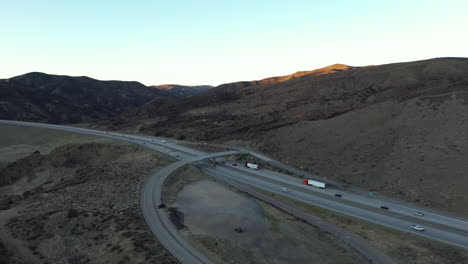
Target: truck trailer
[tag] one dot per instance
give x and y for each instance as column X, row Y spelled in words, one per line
column 251, row 165
column 315, row 183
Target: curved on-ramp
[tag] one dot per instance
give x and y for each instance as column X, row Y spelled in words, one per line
column 158, row 220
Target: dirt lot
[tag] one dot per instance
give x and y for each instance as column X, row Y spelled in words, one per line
column 79, row 203
column 233, row 228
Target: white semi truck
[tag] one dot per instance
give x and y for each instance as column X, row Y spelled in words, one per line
column 315, row 183
column 251, row 165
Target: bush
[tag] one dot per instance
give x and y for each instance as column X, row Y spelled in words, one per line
column 72, row 213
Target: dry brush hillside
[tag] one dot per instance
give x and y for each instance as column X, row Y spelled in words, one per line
column 77, row 202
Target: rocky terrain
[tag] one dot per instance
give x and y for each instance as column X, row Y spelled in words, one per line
column 182, row 91
column 64, row 99
column 395, row 128
column 78, row 204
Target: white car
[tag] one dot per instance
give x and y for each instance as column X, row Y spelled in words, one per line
column 417, row 227
column 163, row 141
column 418, row 214
column 285, row 189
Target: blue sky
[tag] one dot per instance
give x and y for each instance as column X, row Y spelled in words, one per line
column 214, row 42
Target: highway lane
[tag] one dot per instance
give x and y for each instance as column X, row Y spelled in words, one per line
column 406, row 207
column 159, row 223
column 171, row 148
column 429, row 216
column 382, row 218
column 147, row 142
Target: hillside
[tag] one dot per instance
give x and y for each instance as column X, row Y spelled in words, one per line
column 181, row 91
column 74, row 201
column 161, row 112
column 396, row 128
column 233, row 87
column 64, row 99
column 244, row 112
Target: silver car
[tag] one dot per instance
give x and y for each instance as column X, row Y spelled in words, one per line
column 417, row 227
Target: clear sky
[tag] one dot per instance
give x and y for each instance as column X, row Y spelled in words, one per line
column 219, row 41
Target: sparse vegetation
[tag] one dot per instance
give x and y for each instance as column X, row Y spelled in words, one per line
column 402, row 247
column 81, row 205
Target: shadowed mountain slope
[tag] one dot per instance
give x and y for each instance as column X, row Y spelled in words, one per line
column 233, row 111
column 64, row 99
column 182, row 91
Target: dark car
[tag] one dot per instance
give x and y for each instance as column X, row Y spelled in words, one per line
column 234, row 164
column 384, row 207
column 338, row 195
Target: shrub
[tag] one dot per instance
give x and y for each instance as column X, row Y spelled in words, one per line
column 72, row 213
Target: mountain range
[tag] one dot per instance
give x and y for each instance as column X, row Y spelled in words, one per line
column 397, row 128
column 62, row 99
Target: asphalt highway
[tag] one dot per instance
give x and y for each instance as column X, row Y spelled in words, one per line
column 400, row 209
column 378, row 216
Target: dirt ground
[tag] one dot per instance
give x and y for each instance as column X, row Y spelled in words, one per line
column 79, row 203
column 233, row 228
column 19, row 141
